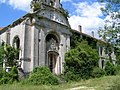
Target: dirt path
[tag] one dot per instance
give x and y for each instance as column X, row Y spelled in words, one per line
column 82, row 88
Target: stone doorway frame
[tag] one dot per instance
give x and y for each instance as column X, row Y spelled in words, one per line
column 52, row 61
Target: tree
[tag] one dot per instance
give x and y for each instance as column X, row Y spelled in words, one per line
column 80, row 61
column 8, row 54
column 1, row 56
column 11, row 55
column 111, row 29
column 117, row 53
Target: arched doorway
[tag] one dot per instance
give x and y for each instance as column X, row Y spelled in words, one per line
column 52, row 47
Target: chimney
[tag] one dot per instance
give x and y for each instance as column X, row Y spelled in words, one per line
column 80, row 28
column 92, row 33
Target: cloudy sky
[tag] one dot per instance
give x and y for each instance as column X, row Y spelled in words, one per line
column 86, row 13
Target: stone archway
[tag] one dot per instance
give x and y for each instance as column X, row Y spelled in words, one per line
column 52, row 50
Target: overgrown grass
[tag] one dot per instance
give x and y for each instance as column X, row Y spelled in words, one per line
column 102, row 83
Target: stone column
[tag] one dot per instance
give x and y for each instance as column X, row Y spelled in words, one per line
column 36, row 46
column 32, row 48
column 42, row 47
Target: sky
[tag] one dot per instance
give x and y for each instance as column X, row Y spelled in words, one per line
column 86, row 13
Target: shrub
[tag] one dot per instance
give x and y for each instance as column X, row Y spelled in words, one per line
column 14, row 74
column 1, row 73
column 70, row 76
column 9, row 77
column 118, row 69
column 110, row 69
column 98, row 72
column 42, row 75
column 81, row 61
column 5, row 77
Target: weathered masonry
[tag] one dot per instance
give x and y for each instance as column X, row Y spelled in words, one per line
column 43, row 36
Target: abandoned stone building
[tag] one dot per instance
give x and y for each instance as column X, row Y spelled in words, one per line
column 44, row 36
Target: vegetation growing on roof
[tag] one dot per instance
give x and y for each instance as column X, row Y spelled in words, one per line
column 35, row 6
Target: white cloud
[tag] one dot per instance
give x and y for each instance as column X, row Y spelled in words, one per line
column 88, row 16
column 85, row 9
column 18, row 4
column 2, row 1
column 66, row 0
column 22, row 4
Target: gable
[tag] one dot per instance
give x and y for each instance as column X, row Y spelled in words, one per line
column 55, row 16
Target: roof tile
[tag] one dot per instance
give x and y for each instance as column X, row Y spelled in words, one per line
column 1, row 28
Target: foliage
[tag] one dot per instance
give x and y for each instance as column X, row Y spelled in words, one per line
column 69, row 76
column 117, row 53
column 112, row 27
column 4, row 77
column 14, row 74
column 81, row 60
column 118, row 69
column 1, row 56
column 42, row 75
column 102, row 83
column 75, row 39
column 110, row 69
column 10, row 54
column 111, row 6
column 36, row 5
column 98, row 72
column 9, row 77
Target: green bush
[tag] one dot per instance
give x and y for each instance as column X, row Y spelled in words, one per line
column 9, row 77
column 42, row 75
column 14, row 74
column 110, row 69
column 118, row 69
column 70, row 76
column 5, row 77
column 1, row 73
column 81, row 61
column 98, row 72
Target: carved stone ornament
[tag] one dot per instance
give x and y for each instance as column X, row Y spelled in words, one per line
column 53, row 45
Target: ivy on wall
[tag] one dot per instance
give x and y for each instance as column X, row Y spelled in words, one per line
column 77, row 37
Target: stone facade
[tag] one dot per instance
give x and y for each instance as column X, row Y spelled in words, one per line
column 105, row 50
column 43, row 36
